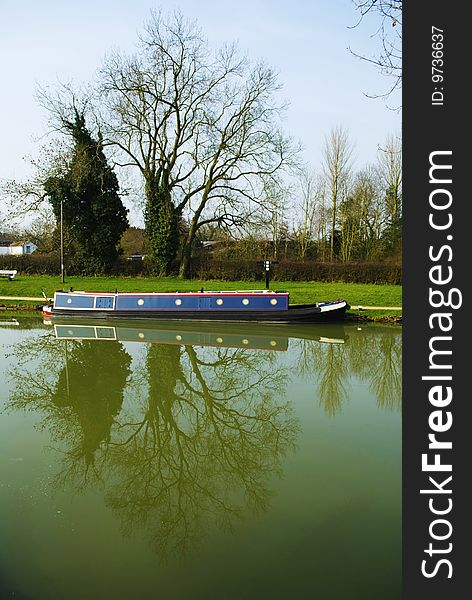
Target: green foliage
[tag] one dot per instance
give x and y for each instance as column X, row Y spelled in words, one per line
column 162, row 227
column 93, row 213
column 393, row 202
column 392, row 239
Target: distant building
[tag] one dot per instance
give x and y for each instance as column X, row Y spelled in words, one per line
column 16, row 248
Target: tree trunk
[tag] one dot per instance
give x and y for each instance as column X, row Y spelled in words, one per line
column 186, row 259
column 184, row 271
column 333, row 228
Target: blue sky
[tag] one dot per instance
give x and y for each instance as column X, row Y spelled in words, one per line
column 306, row 42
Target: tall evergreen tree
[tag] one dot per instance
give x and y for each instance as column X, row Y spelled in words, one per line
column 93, row 212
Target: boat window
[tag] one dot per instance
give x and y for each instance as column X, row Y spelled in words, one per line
column 105, row 333
column 104, row 302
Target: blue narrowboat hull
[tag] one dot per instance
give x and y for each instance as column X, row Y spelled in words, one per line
column 270, row 307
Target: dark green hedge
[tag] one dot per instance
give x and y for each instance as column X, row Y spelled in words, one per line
column 50, row 264
column 230, row 270
column 35, row 264
column 301, row 271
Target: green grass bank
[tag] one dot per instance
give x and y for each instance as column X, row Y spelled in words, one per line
column 300, row 292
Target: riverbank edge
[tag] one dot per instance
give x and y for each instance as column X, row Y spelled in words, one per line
column 28, row 309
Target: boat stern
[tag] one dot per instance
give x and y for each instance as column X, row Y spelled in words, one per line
column 335, row 308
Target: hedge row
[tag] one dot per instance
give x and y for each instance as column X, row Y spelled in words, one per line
column 34, row 264
column 301, row 271
column 230, row 270
column 49, row 264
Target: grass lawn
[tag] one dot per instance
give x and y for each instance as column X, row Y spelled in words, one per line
column 300, row 292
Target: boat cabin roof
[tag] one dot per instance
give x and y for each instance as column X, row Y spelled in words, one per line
column 188, row 293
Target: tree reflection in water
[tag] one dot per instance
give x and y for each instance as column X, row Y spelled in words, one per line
column 212, row 434
column 197, row 440
column 79, row 387
column 93, row 391
column 373, row 355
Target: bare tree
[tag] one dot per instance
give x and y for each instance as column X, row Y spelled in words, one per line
column 201, row 127
column 389, row 164
column 362, row 216
column 389, row 33
column 310, row 210
column 41, row 231
column 337, row 154
column 28, row 197
column 276, row 202
column 389, row 169
column 240, row 151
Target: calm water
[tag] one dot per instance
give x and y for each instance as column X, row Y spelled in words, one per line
column 187, row 463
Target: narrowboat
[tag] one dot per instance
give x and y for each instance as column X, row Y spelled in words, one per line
column 255, row 305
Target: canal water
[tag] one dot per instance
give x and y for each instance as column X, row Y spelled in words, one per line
column 207, row 462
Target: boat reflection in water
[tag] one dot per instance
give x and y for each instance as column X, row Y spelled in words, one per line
column 241, row 335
